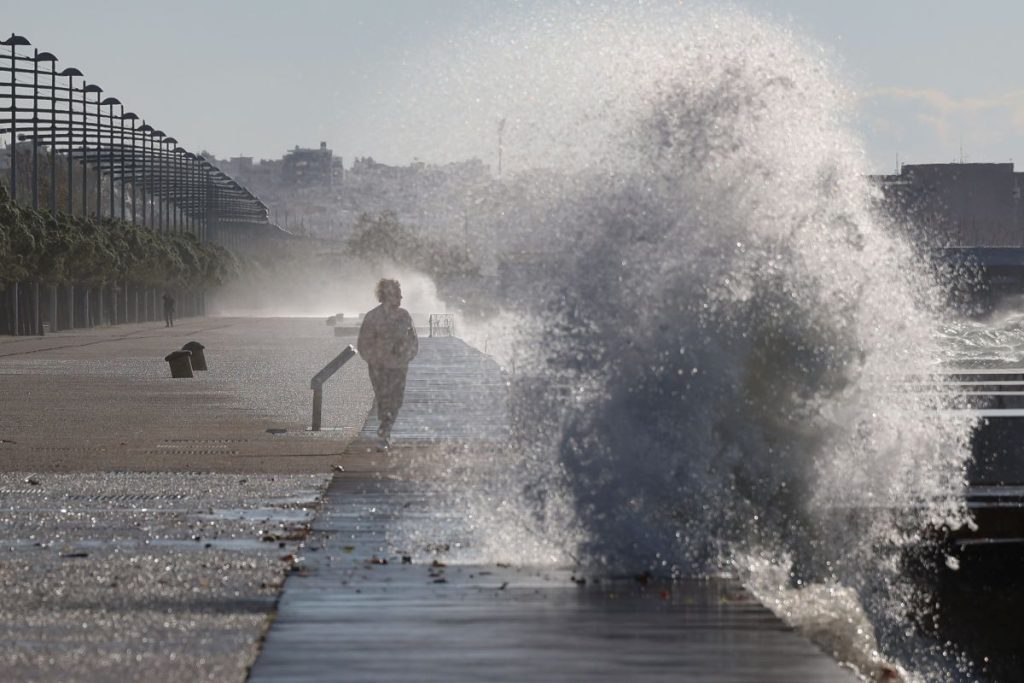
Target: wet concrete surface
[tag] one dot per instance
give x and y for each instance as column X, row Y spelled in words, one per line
column 371, row 605
column 103, row 399
column 366, row 610
column 453, row 392
column 144, row 576
column 146, row 523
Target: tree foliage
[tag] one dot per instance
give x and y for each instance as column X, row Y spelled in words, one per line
column 57, row 248
column 382, row 237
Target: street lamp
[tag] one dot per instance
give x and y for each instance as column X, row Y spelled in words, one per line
column 13, row 42
column 181, row 195
column 190, row 216
column 146, row 130
column 49, row 57
column 36, row 60
column 172, row 181
column 133, row 117
column 91, row 88
column 70, row 73
column 158, row 160
column 110, row 102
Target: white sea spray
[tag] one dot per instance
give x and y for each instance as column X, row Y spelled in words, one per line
column 717, row 328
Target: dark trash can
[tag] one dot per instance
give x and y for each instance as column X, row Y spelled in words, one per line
column 198, row 357
column 181, row 363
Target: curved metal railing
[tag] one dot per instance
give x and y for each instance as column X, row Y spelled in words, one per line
column 317, row 383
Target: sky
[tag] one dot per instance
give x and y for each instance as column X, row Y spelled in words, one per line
column 933, row 81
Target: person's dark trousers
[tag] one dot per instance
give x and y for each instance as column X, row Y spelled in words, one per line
column 389, row 392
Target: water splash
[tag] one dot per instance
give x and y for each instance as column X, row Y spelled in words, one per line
column 722, row 319
column 994, row 341
column 304, row 287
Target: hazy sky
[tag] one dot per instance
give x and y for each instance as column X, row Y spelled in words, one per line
column 253, row 77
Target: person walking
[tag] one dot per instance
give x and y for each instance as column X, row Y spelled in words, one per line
column 388, row 343
column 168, row 310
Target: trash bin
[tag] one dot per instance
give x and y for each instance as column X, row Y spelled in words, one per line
column 180, row 362
column 198, row 357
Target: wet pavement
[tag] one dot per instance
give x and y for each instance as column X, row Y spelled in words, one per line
column 453, row 392
column 371, row 605
column 147, row 526
column 147, row 523
column 144, row 576
column 103, row 399
column 361, row 612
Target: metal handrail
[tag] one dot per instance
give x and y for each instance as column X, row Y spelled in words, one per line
column 441, row 325
column 317, row 383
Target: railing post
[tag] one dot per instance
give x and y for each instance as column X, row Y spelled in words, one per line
column 318, row 403
column 317, row 384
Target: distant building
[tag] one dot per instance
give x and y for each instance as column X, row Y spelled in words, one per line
column 958, row 205
column 304, row 167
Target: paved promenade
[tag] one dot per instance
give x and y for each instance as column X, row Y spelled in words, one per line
column 366, row 609
column 103, row 399
column 147, row 523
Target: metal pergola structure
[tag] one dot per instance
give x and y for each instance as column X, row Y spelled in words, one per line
column 73, row 148
column 138, row 173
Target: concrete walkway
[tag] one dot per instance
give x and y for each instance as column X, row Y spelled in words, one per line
column 363, row 609
column 103, row 399
column 147, row 523
column 453, row 393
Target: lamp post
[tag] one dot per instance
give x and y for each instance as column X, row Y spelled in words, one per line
column 13, row 42
column 190, row 215
column 181, row 190
column 92, row 88
column 35, row 129
column 39, row 57
column 52, row 304
column 121, row 158
column 147, row 131
column 158, row 136
column 110, row 102
column 52, row 59
column 70, row 74
column 133, row 117
column 172, row 188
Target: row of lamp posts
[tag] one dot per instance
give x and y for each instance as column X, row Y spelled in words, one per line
column 149, row 179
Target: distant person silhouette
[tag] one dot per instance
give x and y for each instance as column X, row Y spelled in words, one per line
column 387, row 342
column 168, row 310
